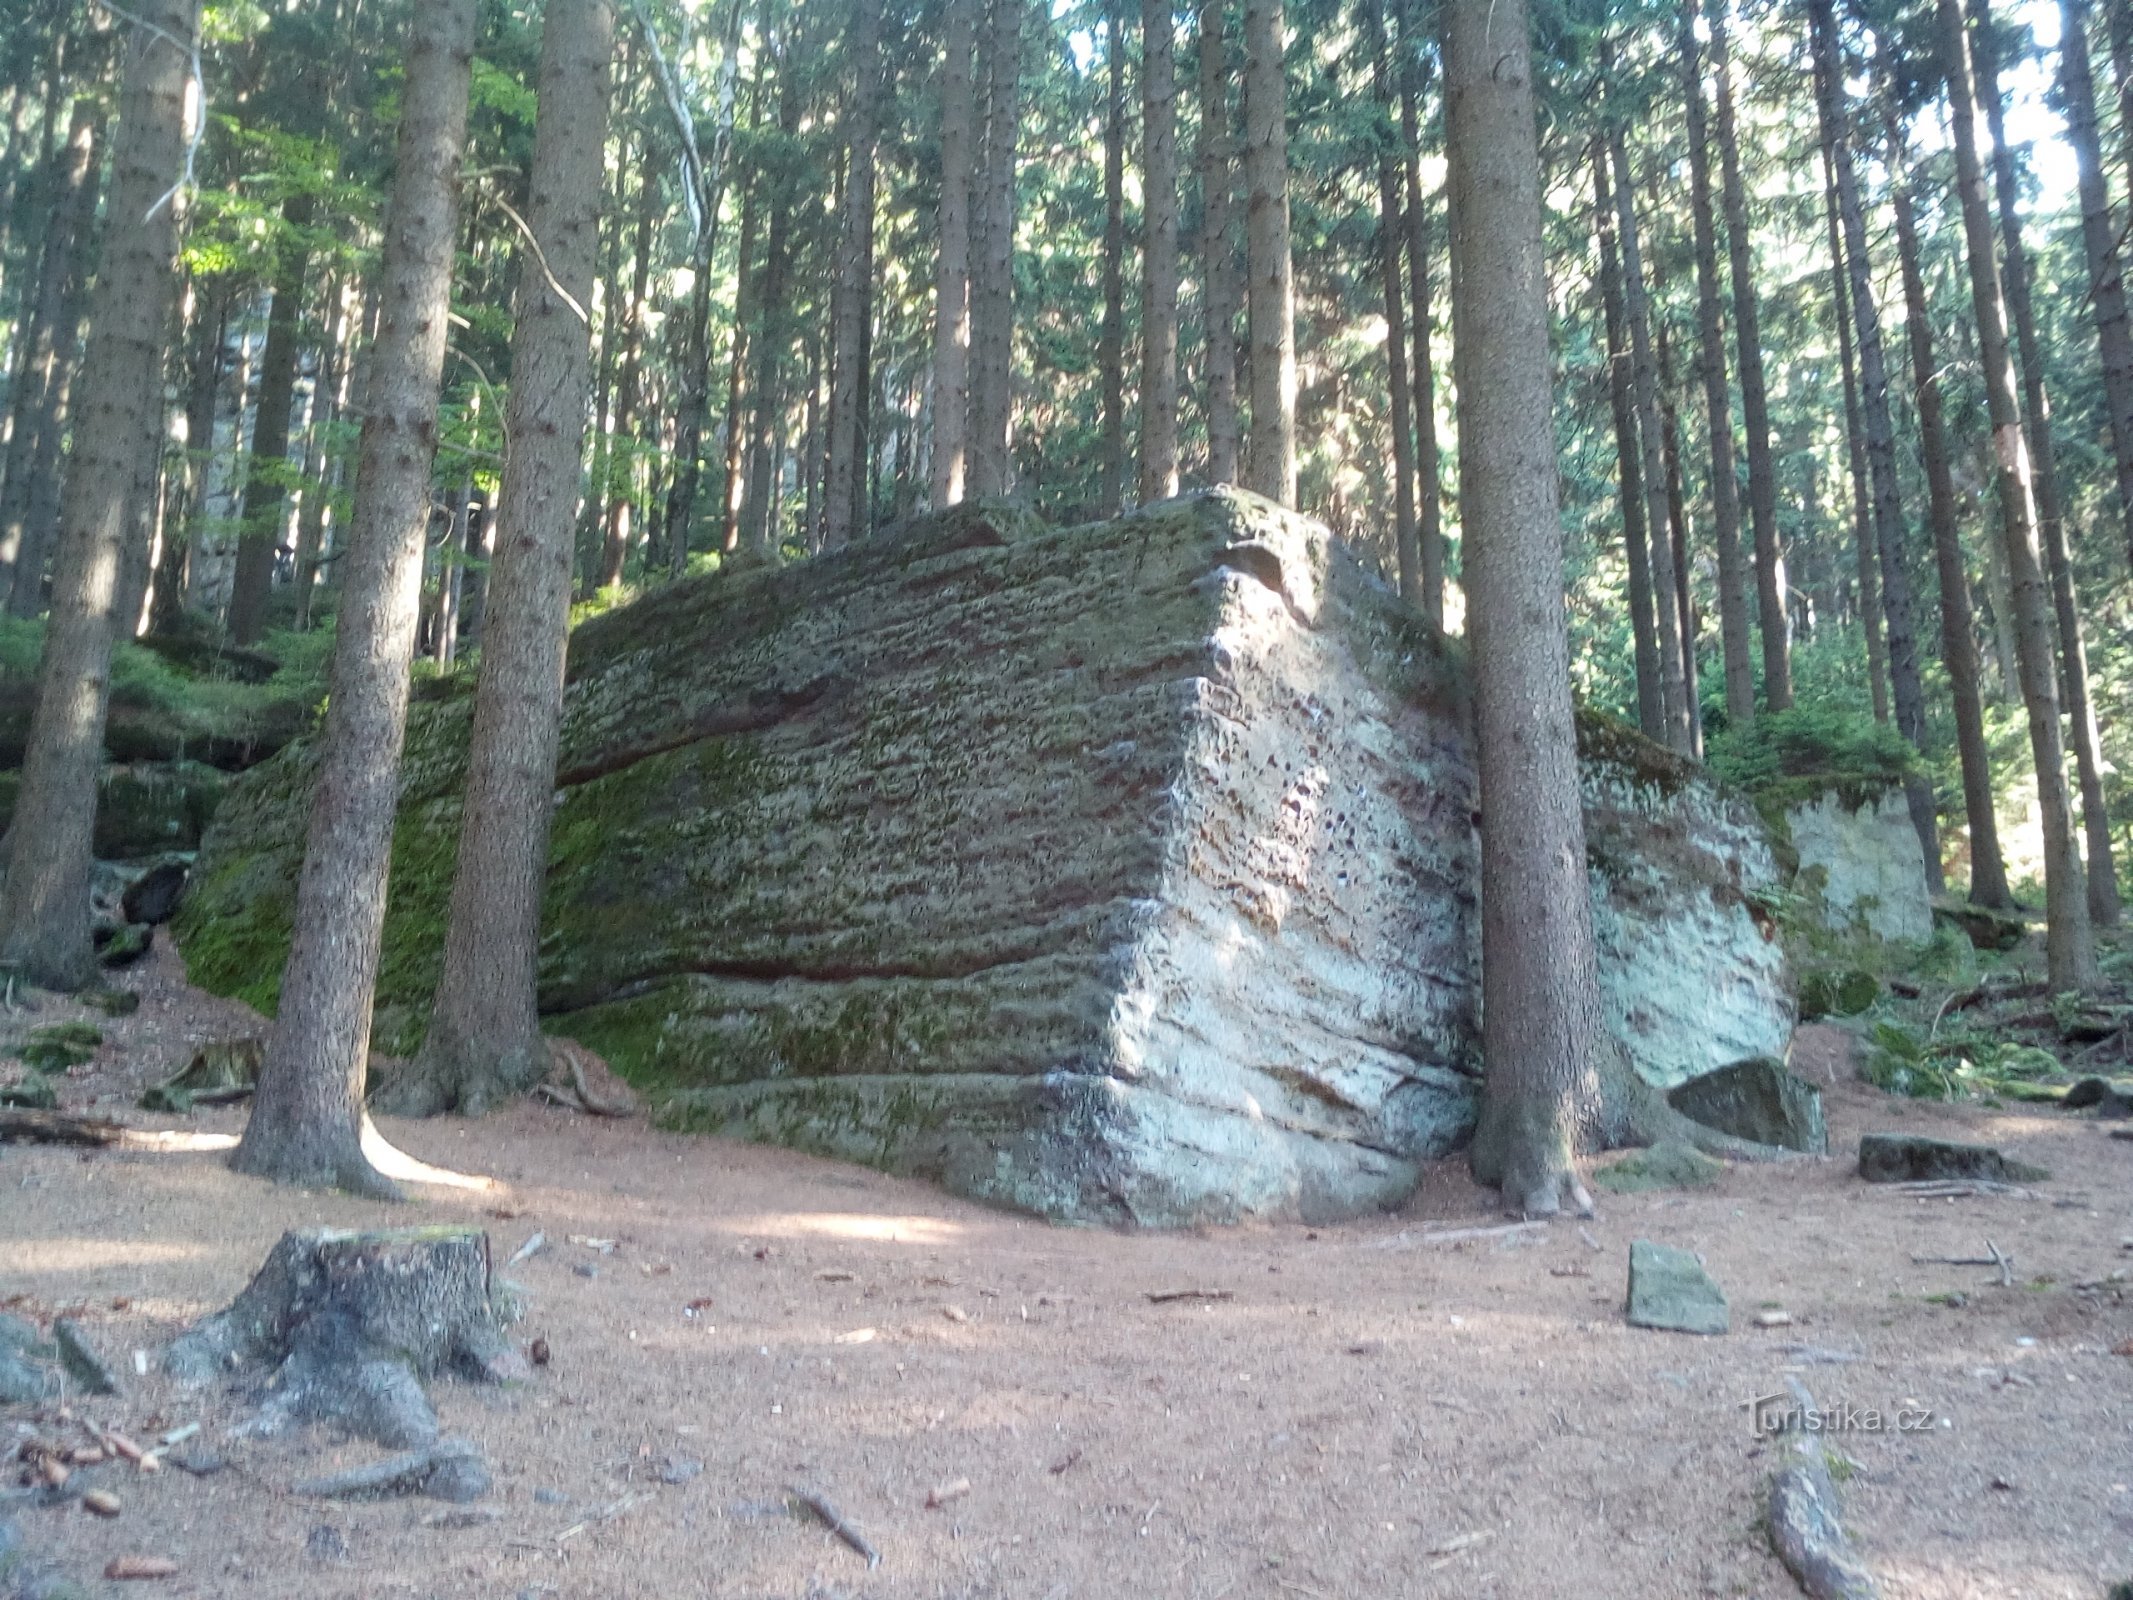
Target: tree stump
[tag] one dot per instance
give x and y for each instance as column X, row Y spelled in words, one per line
column 350, row 1324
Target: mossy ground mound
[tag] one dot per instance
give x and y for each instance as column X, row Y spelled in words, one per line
column 1119, row 872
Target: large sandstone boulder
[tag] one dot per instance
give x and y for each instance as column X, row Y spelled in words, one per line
column 1123, row 872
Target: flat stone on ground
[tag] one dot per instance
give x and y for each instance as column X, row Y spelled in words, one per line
column 1669, row 1290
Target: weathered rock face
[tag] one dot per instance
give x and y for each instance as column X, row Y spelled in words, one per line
column 1862, row 868
column 1121, row 872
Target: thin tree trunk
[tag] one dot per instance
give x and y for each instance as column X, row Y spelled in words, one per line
column 1159, row 252
column 772, row 336
column 2051, row 520
column 2100, row 246
column 1988, row 873
column 1718, row 399
column 1677, row 522
column 1429, row 508
column 951, row 285
column 35, row 405
column 307, row 1116
column 845, row 490
column 1391, row 236
column 266, row 480
column 992, row 311
column 1218, row 269
column 1908, row 693
column 1754, row 392
column 484, row 1042
column 1651, row 717
column 1869, row 566
column 2069, row 939
column 1271, row 469
column 1673, row 687
column 616, row 534
column 746, row 292
column 210, row 324
column 1111, row 337
column 325, row 413
column 1542, row 1095
column 44, row 900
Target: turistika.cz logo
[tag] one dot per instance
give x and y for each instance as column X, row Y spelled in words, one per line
column 1773, row 1414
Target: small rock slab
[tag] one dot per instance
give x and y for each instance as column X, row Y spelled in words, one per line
column 1669, row 1290
column 1912, row 1158
column 1757, row 1099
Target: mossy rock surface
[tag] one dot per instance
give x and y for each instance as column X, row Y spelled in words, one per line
column 142, row 811
column 1123, row 872
column 1836, row 992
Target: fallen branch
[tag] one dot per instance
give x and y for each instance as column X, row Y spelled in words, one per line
column 1170, row 1296
column 19, row 1125
column 1960, row 1188
column 834, row 1521
column 451, row 1469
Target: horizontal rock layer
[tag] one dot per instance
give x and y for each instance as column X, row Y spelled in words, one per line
column 1124, row 872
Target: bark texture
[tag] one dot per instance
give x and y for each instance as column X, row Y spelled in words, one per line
column 992, row 284
column 1629, row 467
column 1271, row 297
column 44, row 900
column 2069, row 939
column 484, row 1043
column 1392, row 235
column 1159, row 252
column 307, row 1118
column 1219, row 288
column 844, row 517
column 951, row 284
column 1429, row 507
column 1111, row 337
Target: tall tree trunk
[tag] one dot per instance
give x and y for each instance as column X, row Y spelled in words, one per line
column 772, row 335
column 691, row 407
column 266, row 480
column 2069, row 939
column 210, row 311
column 951, row 284
column 36, row 403
column 1717, row 396
column 1869, row 566
column 845, row 490
column 1111, row 337
column 1754, row 391
column 746, row 292
column 44, row 900
column 1677, row 522
column 1271, row 469
column 2100, row 245
column 1553, row 1082
column 307, row 1118
column 992, row 284
column 616, row 534
column 484, row 1042
column 2051, row 520
column 1159, row 252
column 1391, row 237
column 326, row 403
column 1988, row 873
column 1621, row 383
column 1429, row 509
column 1218, row 268
column 1673, row 686
column 1908, row 692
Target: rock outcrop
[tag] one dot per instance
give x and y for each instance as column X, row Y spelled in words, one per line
column 1124, row 872
column 1862, row 869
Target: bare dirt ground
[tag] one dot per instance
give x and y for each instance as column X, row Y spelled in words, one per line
column 1361, row 1412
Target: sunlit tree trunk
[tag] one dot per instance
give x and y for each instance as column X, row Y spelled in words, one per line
column 1111, row 337
column 622, row 489
column 992, row 284
column 2069, row 939
column 1988, row 875
column 1754, row 390
column 1429, row 498
column 118, row 427
column 1621, row 384
column 1717, row 394
column 951, row 287
column 1218, row 269
column 1271, row 295
column 484, row 1042
column 1391, row 238
column 1877, row 430
column 307, row 1116
column 1673, row 687
column 1159, row 252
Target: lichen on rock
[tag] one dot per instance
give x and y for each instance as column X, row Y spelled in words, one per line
column 1117, row 873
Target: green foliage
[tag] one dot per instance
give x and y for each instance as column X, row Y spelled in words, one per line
column 1961, row 1065
column 1817, row 746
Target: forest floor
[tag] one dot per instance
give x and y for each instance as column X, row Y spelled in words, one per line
column 1350, row 1411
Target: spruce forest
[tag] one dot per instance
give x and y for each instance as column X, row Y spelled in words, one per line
column 670, row 670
